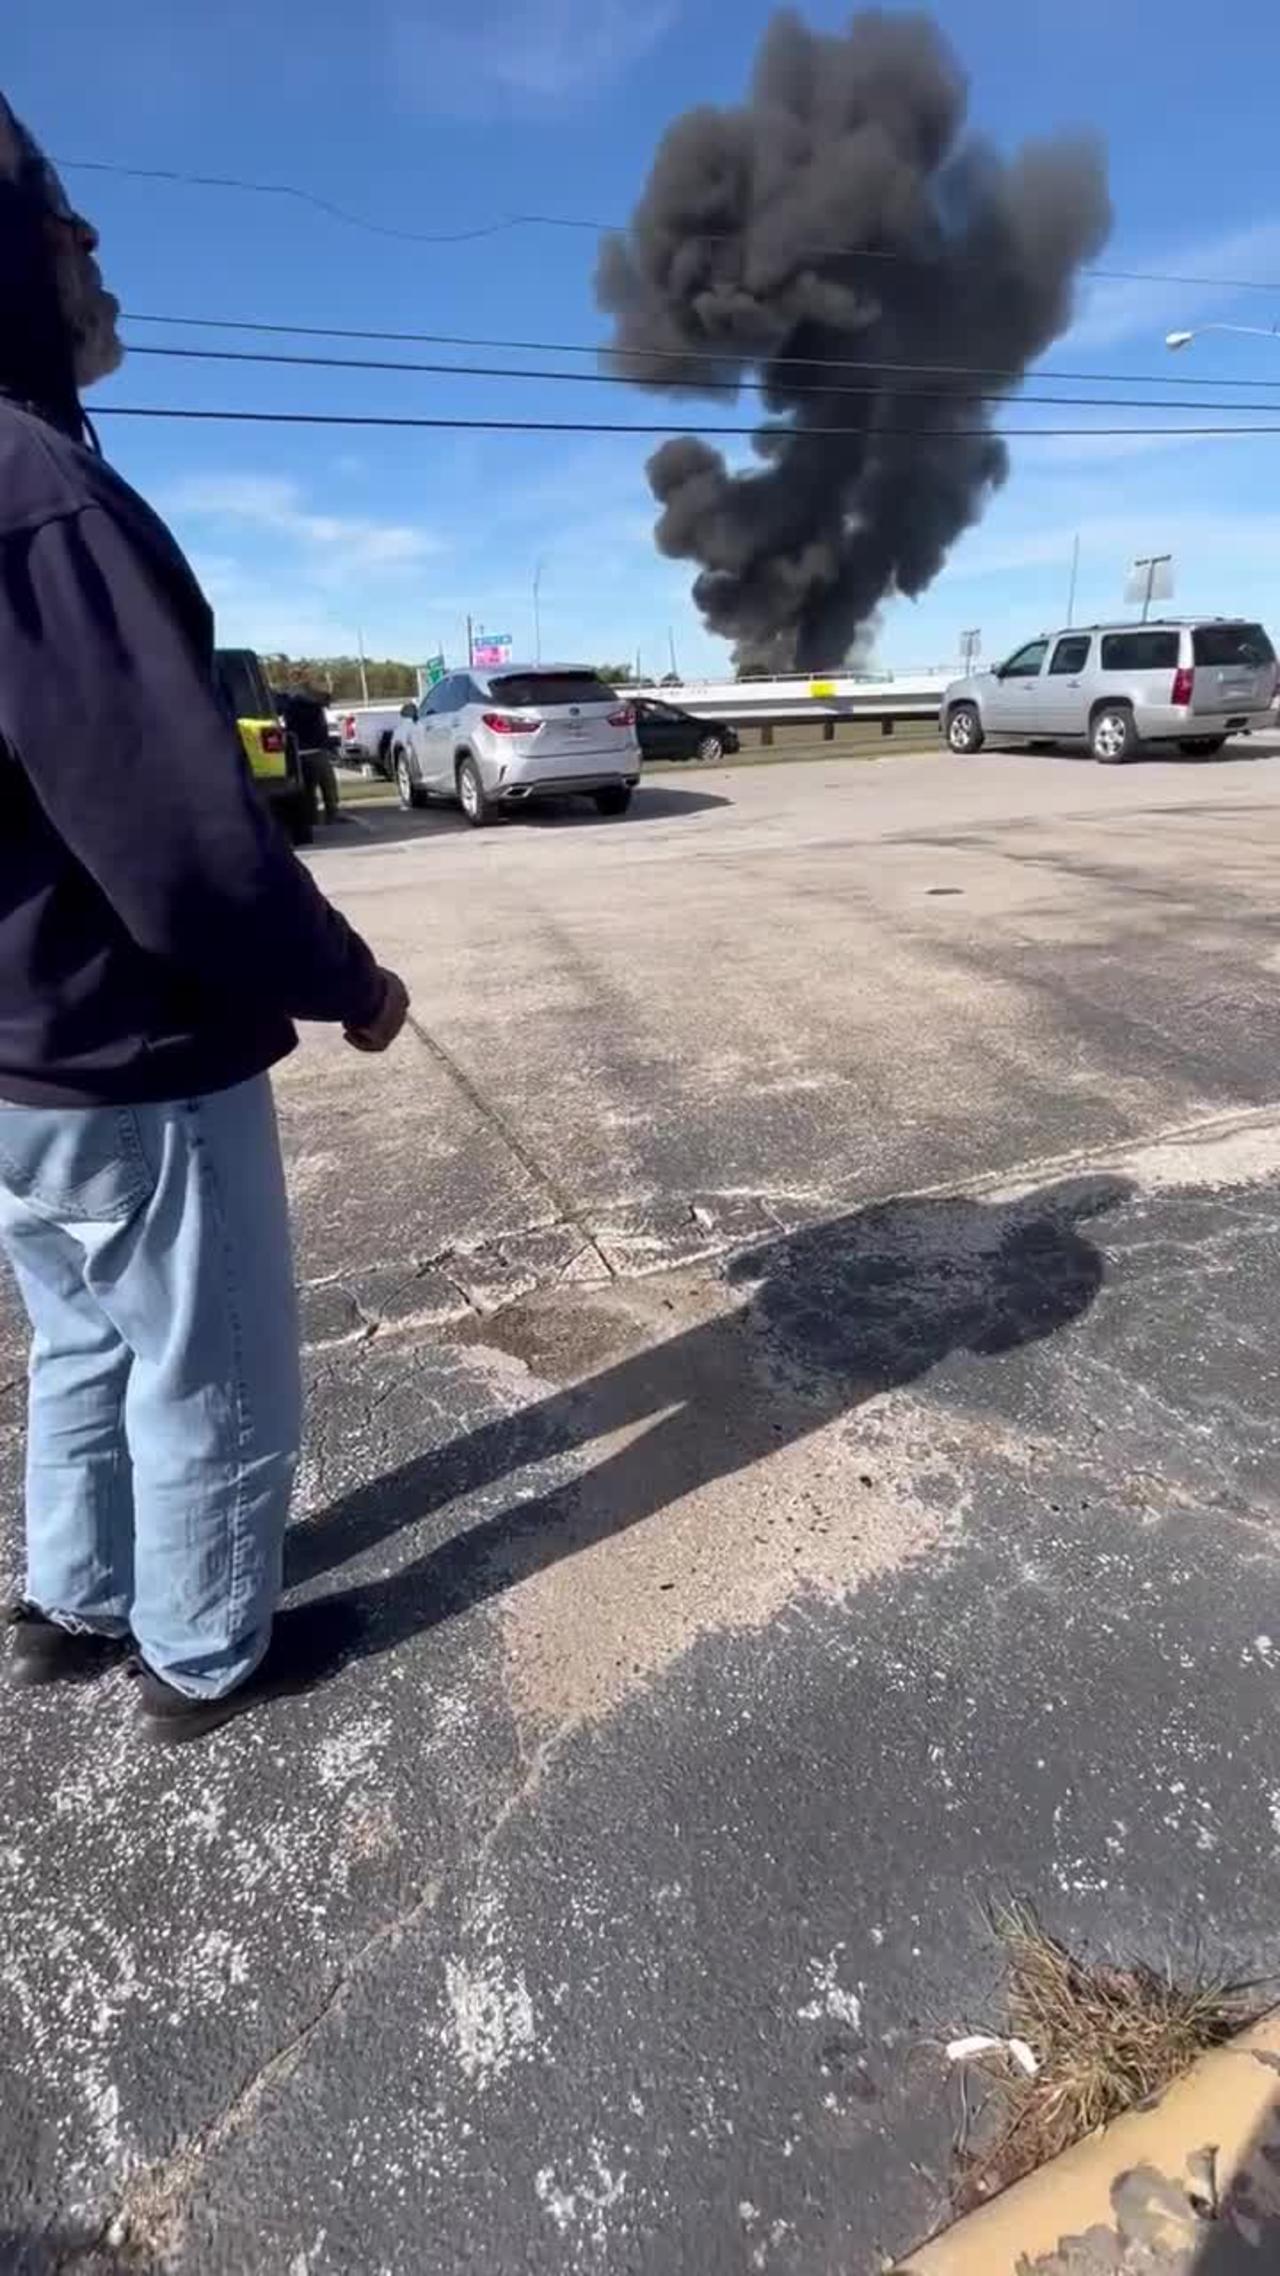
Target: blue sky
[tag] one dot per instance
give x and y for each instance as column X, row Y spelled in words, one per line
column 441, row 114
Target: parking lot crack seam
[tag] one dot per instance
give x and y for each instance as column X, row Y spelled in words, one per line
column 151, row 2210
column 493, row 1117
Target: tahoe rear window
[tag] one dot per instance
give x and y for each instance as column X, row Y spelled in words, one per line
column 1139, row 651
column 1231, row 644
column 539, row 691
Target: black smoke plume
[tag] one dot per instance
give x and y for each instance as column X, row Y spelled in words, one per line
column 762, row 236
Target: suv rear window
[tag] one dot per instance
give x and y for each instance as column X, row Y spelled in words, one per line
column 242, row 684
column 1231, row 644
column 542, row 689
column 1139, row 651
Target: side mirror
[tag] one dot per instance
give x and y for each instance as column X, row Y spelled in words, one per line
column 408, row 711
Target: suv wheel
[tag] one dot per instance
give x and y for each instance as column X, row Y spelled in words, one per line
column 964, row 730
column 411, row 793
column 710, row 749
column 1112, row 738
column 472, row 796
column 615, row 800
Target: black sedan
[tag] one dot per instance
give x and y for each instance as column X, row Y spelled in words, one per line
column 666, row 732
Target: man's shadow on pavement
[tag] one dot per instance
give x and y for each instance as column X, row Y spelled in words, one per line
column 836, row 1314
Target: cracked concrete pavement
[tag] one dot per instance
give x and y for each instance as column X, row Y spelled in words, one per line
column 792, row 1360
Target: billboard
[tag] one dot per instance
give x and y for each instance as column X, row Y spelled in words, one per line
column 490, row 648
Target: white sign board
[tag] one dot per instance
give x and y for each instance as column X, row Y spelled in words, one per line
column 1150, row 579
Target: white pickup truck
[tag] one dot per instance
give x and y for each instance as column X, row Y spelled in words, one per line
column 365, row 731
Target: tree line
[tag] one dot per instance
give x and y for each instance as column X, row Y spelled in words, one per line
column 385, row 676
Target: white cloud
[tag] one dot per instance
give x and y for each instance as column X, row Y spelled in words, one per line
column 1115, row 309
column 522, row 53
column 343, row 543
column 283, row 574
column 251, row 611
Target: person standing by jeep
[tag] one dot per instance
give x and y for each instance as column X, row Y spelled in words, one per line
column 158, row 939
column 305, row 716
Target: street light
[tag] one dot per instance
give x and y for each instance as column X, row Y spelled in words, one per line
column 1176, row 340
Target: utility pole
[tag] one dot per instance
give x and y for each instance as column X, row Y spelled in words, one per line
column 364, row 677
column 671, row 644
column 471, row 646
column 537, row 613
column 1075, row 571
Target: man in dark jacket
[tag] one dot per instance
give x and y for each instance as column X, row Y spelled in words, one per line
column 305, row 717
column 157, row 941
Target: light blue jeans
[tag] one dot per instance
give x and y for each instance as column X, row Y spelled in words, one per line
column 151, row 1247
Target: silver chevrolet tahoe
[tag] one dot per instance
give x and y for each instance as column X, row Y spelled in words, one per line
column 1191, row 681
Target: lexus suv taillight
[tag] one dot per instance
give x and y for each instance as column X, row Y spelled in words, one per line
column 1184, row 686
column 510, row 723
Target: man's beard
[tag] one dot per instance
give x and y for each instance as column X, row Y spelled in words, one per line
column 90, row 314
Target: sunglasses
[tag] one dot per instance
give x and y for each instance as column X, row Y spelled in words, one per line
column 82, row 233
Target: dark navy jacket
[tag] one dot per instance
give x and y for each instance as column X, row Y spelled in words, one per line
column 157, row 935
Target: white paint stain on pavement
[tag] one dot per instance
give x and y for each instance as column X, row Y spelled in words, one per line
column 491, row 2015
column 350, row 1754
column 213, row 1965
column 830, row 1997
column 580, row 2205
column 305, row 2263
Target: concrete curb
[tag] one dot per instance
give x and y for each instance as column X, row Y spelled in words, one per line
column 1148, row 2193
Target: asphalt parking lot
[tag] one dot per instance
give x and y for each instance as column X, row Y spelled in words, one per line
column 791, row 1338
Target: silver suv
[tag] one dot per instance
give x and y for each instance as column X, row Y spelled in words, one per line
column 494, row 739
column 1191, row 682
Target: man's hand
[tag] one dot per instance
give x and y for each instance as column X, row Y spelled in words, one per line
column 393, row 1012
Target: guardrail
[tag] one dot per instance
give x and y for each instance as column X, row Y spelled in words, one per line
column 776, row 703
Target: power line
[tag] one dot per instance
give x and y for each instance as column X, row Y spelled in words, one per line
column 719, row 357
column 511, row 221
column 628, row 427
column 719, row 386
column 308, row 197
